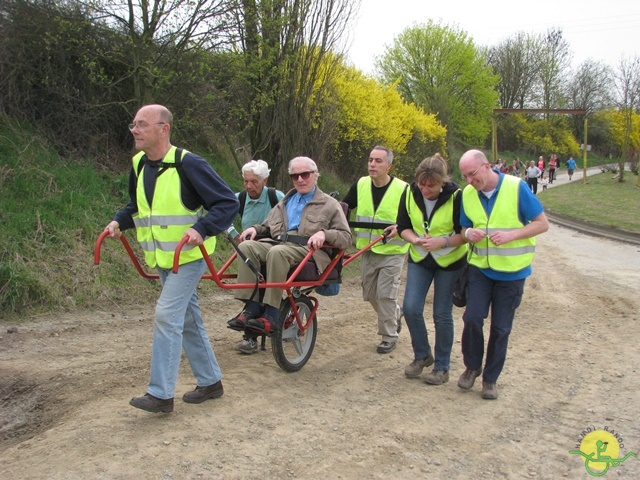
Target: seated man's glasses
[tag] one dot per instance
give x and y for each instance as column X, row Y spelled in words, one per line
column 303, row 175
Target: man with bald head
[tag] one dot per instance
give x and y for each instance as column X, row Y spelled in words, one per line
column 500, row 217
column 174, row 193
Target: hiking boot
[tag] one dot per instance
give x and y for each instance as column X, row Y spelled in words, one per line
column 414, row 369
column 386, row 347
column 468, row 378
column 239, row 322
column 152, row 404
column 436, row 377
column 489, row 391
column 248, row 346
column 200, row 394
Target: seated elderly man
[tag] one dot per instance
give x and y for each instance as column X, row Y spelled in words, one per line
column 305, row 218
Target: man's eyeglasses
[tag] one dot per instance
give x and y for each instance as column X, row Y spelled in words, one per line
column 426, row 226
column 303, row 175
column 143, row 125
column 472, row 174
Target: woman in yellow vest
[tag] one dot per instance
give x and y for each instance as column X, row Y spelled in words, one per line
column 428, row 220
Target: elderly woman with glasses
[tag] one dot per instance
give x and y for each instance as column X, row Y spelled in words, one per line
column 305, row 218
column 428, row 219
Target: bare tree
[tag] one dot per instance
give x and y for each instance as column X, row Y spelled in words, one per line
column 518, row 61
column 555, row 58
column 589, row 88
column 627, row 85
column 288, row 47
column 159, row 33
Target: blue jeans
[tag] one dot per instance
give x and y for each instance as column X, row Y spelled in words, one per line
column 419, row 280
column 178, row 324
column 503, row 297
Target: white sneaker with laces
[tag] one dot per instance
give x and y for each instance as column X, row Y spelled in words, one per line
column 248, row 346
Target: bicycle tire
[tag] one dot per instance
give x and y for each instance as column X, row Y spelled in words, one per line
column 292, row 347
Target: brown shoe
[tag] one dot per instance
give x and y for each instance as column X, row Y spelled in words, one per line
column 200, row 394
column 152, row 404
column 436, row 377
column 489, row 391
column 468, row 378
column 414, row 369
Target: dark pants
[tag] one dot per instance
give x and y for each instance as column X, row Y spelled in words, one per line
column 533, row 184
column 552, row 175
column 503, row 298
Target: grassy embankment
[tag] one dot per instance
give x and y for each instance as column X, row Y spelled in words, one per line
column 601, row 201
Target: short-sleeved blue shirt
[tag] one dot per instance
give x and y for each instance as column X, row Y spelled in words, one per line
column 529, row 207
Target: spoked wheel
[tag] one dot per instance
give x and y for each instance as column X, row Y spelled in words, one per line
column 294, row 346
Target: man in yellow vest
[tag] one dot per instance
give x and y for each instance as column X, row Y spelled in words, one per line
column 500, row 217
column 174, row 193
column 376, row 199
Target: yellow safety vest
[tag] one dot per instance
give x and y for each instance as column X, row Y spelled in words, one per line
column 441, row 225
column 161, row 225
column 387, row 212
column 513, row 256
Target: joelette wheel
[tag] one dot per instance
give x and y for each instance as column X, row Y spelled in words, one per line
column 292, row 346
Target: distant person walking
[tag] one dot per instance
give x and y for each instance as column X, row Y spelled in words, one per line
column 532, row 175
column 553, row 164
column 571, row 166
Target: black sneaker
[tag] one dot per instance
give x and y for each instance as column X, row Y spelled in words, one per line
column 200, row 394
column 152, row 404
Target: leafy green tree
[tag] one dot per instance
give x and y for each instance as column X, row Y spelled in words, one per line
column 440, row 69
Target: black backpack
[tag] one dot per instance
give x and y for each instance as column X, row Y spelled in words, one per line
column 178, row 166
column 242, row 198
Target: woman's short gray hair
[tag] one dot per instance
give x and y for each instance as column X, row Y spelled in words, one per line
column 260, row 168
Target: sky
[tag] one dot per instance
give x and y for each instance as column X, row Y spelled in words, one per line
column 603, row 30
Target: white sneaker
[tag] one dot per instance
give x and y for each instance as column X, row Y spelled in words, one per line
column 248, row 346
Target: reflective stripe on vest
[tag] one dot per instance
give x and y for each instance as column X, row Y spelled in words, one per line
column 161, row 225
column 387, row 212
column 441, row 226
column 513, row 256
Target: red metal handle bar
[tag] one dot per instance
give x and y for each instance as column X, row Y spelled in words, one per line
column 132, row 256
column 352, row 256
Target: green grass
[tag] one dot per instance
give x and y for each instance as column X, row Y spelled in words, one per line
column 601, row 201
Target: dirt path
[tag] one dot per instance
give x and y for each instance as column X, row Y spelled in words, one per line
column 349, row 413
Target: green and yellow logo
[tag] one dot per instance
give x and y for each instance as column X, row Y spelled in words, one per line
column 600, row 450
